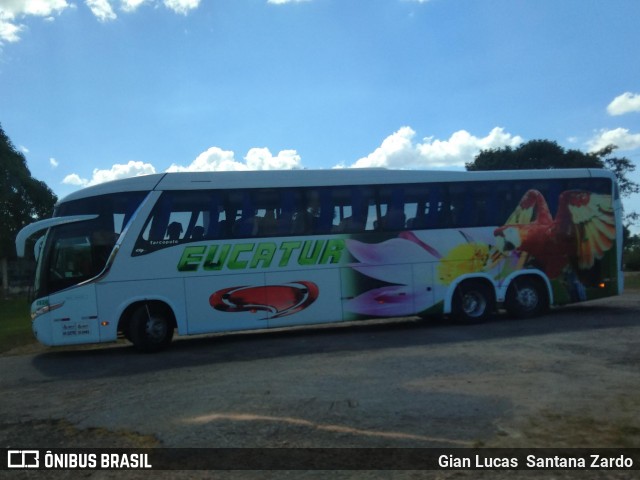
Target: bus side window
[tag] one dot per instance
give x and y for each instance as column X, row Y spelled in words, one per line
column 290, row 199
column 160, row 217
column 246, row 224
column 460, row 206
column 352, row 209
column 267, row 204
column 314, row 214
column 391, row 208
column 478, row 195
column 494, row 199
column 418, row 207
column 435, row 212
column 211, row 216
column 324, row 217
column 502, row 201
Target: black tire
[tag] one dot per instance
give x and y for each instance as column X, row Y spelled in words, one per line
column 151, row 328
column 473, row 302
column 526, row 297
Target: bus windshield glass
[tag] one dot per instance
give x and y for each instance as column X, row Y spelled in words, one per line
column 76, row 252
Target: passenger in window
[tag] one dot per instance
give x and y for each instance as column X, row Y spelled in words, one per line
column 197, row 233
column 393, row 220
column 268, row 223
column 306, row 220
column 358, row 219
column 297, row 222
column 350, row 225
column 247, row 226
column 174, row 230
column 226, row 224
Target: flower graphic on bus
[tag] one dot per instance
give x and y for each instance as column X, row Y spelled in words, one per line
column 277, row 300
column 443, row 257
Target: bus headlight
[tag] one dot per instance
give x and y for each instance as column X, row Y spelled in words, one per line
column 45, row 309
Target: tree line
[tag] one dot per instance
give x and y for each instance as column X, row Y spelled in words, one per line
column 23, row 200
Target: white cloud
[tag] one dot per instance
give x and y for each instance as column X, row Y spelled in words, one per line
column 215, row 159
column 53, row 162
column 13, row 10
column 212, row 160
column 181, row 6
column 102, row 9
column 41, row 8
column 620, row 137
column 131, row 5
column 74, row 179
column 9, row 32
column 117, row 171
column 262, row 159
column 400, row 151
column 625, row 103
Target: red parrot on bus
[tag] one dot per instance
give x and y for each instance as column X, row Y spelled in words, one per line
column 581, row 232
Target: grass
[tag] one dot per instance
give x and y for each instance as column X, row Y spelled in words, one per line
column 632, row 281
column 15, row 324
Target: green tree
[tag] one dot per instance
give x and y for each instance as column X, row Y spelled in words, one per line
column 542, row 154
column 23, row 200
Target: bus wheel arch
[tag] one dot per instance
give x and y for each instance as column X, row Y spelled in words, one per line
column 149, row 325
column 527, row 296
column 473, row 300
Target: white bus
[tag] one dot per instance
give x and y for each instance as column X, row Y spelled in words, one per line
column 227, row 251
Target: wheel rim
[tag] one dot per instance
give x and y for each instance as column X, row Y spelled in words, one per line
column 156, row 329
column 474, row 304
column 527, row 298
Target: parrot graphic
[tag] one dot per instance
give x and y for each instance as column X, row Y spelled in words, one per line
column 581, row 232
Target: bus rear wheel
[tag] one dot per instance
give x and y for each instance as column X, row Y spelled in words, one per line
column 473, row 302
column 526, row 298
column 151, row 328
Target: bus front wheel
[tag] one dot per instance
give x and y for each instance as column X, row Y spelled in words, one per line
column 151, row 328
column 473, row 302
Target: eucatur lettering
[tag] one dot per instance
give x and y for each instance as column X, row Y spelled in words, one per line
column 256, row 255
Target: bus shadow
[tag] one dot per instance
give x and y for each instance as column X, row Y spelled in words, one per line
column 124, row 360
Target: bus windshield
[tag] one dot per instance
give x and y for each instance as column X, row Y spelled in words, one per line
column 77, row 252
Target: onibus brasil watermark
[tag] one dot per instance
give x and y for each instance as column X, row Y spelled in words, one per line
column 71, row 460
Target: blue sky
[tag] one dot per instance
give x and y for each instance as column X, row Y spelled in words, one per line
column 100, row 89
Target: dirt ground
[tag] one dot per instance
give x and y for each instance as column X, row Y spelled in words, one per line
column 568, row 379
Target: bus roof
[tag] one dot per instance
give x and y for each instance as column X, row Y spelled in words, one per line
column 307, row 178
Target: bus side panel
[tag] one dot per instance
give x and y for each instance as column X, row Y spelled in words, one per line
column 385, row 290
column 222, row 303
column 303, row 297
column 115, row 297
column 429, row 293
column 73, row 318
